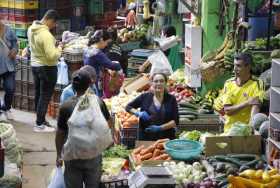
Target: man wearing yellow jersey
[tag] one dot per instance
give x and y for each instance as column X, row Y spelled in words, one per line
column 242, row 94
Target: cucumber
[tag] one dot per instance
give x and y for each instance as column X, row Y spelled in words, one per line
column 245, row 157
column 188, row 113
column 188, row 105
column 253, row 163
column 223, row 158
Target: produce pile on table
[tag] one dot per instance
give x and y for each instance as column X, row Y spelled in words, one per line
column 137, row 34
column 154, row 152
column 13, row 150
column 178, row 77
column 119, row 102
column 76, row 44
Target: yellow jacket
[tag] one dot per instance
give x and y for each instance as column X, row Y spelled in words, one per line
column 42, row 45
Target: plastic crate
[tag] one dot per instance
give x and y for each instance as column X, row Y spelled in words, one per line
column 110, row 15
column 25, row 4
column 115, row 184
column 110, row 5
column 25, row 88
column 73, row 57
column 4, row 3
column 4, row 16
column 78, row 23
column 22, row 25
column 25, row 103
column 22, row 43
column 78, row 2
column 23, row 18
column 95, row 7
column 129, row 46
column 128, row 142
column 129, row 132
column 21, row 32
column 24, row 73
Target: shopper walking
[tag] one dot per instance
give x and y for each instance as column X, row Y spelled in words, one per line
column 44, row 58
column 78, row 171
column 8, row 52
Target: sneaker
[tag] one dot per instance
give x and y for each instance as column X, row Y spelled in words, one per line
column 43, row 129
column 9, row 115
column 3, row 117
column 46, row 123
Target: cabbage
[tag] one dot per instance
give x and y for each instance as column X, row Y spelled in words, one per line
column 240, row 129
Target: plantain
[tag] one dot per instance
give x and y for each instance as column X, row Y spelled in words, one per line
column 209, row 56
column 221, row 54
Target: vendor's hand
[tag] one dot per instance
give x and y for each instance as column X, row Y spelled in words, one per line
column 254, row 101
column 143, row 115
column 12, row 54
column 59, row 162
column 153, row 129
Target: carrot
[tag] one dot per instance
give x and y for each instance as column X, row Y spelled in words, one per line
column 162, row 157
column 160, row 146
column 162, row 140
column 137, row 150
column 156, row 153
column 169, row 158
column 146, row 156
column 150, row 149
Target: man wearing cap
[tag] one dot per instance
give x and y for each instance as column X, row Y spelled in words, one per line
column 243, row 94
column 78, row 172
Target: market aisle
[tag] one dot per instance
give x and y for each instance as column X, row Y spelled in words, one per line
column 39, row 151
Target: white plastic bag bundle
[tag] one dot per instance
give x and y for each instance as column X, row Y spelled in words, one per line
column 62, row 68
column 160, row 63
column 89, row 134
column 57, row 180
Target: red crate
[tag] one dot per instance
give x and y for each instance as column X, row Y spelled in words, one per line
column 110, row 16
column 23, row 18
column 129, row 132
column 4, row 16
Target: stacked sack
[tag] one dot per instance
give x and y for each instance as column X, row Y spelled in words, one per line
column 13, row 150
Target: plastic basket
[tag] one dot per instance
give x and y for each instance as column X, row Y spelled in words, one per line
column 129, row 132
column 22, row 43
column 128, row 142
column 4, row 3
column 183, row 149
column 115, row 184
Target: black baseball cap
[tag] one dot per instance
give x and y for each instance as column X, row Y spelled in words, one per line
column 81, row 81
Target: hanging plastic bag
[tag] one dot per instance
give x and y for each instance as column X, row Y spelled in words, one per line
column 160, row 63
column 57, row 180
column 89, row 134
column 62, row 68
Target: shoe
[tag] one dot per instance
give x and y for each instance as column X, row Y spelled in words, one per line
column 3, row 117
column 43, row 129
column 46, row 123
column 9, row 115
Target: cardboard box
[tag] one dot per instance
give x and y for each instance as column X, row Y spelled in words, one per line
column 232, row 144
column 139, row 83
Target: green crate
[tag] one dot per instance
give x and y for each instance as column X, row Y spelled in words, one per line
column 129, row 46
column 22, row 43
column 95, row 7
column 21, row 32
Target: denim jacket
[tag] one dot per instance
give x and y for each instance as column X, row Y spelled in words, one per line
column 10, row 39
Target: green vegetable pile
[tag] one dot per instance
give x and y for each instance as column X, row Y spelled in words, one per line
column 190, row 135
column 116, row 151
column 240, row 129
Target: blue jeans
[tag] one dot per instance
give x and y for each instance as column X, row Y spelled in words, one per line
column 9, row 88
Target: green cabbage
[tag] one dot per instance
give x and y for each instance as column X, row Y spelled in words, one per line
column 240, row 129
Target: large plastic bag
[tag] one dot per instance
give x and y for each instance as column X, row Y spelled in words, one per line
column 89, row 134
column 57, row 180
column 160, row 63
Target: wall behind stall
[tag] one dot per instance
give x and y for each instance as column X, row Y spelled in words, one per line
column 210, row 20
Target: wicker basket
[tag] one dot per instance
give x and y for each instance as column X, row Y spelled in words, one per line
column 73, row 57
column 211, row 73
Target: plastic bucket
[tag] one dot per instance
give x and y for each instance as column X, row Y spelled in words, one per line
column 258, row 28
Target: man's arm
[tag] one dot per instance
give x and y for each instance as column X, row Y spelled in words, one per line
column 59, row 142
column 232, row 109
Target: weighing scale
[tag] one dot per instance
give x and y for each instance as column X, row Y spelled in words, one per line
column 151, row 177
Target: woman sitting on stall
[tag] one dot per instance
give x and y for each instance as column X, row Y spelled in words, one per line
column 158, row 111
column 95, row 57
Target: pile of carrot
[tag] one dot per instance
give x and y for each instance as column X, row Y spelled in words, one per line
column 154, row 152
column 127, row 120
